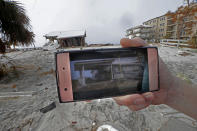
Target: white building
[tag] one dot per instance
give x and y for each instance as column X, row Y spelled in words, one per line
column 142, row 31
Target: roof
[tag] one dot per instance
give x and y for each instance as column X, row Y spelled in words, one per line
column 154, row 18
column 66, row 34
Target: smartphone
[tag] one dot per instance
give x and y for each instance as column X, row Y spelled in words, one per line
column 102, row 73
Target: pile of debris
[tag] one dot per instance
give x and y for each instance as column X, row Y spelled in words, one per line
column 99, row 45
column 50, row 46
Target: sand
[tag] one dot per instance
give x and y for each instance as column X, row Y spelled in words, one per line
column 31, row 88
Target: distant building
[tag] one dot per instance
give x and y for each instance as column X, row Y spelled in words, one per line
column 142, row 31
column 182, row 24
column 68, row 38
column 159, row 25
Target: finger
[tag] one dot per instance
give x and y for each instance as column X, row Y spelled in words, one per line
column 135, row 99
column 135, row 42
column 138, row 107
column 149, row 97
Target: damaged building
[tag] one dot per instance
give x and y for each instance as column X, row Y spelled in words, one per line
column 68, row 38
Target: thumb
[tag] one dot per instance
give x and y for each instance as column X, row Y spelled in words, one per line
column 135, row 42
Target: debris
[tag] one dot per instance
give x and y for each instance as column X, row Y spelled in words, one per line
column 91, row 116
column 45, row 49
column 74, row 122
column 8, row 98
column 183, row 53
column 50, row 46
column 25, row 67
column 14, row 86
column 40, row 84
column 93, row 123
column 15, row 94
column 100, row 45
column 48, row 108
column 106, row 128
column 48, row 72
column 39, row 68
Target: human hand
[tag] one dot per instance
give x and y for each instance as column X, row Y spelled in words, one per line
column 140, row 101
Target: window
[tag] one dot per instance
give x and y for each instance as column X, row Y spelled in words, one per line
column 162, row 18
column 162, row 24
column 161, row 30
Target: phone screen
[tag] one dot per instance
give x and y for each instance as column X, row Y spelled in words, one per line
column 108, row 73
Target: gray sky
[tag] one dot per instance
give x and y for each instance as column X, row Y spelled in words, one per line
column 104, row 20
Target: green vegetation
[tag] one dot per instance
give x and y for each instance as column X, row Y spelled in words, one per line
column 15, row 26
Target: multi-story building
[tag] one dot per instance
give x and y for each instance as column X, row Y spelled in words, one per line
column 142, row 31
column 159, row 25
column 181, row 24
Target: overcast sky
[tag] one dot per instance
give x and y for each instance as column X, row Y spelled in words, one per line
column 104, row 20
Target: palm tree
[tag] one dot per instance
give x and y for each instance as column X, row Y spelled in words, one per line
column 15, row 26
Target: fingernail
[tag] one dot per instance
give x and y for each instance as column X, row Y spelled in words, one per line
column 139, row 101
column 148, row 96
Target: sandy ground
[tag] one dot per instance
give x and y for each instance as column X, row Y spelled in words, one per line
column 26, row 93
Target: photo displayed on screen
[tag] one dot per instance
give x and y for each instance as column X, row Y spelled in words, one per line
column 107, row 74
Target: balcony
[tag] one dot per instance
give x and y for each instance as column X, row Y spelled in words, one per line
column 171, row 24
column 171, row 31
column 141, row 31
column 184, row 35
column 169, row 18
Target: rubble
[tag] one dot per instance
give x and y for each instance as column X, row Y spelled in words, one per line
column 37, row 76
column 183, row 53
column 48, row 108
